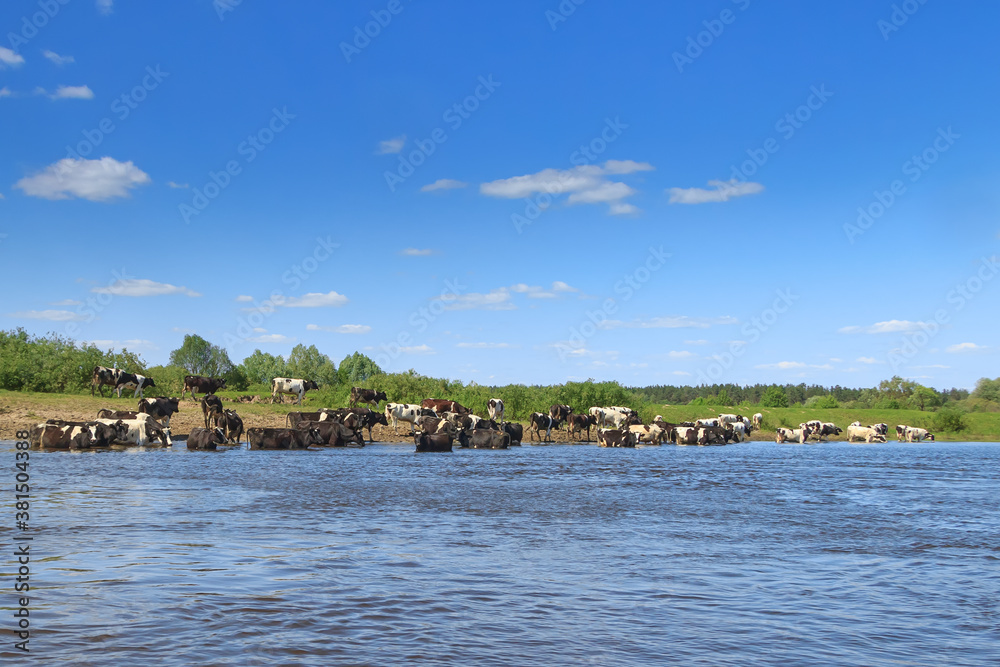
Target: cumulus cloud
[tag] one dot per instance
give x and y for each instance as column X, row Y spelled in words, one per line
column 316, row 300
column 672, row 322
column 416, row 252
column 964, row 347
column 244, row 298
column 341, row 329
column 58, row 59
column 721, row 191
column 681, row 354
column 67, row 302
column 182, row 186
column 889, row 326
column 393, row 145
column 50, row 315
column 869, row 360
column 132, row 344
column 443, row 184
column 94, row 180
column 73, row 93
column 9, row 58
column 585, row 184
column 537, row 292
column 681, row 373
column 560, row 286
column 700, row 341
column 139, row 287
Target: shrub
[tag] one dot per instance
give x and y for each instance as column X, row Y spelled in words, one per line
column 827, row 402
column 774, row 397
column 949, row 421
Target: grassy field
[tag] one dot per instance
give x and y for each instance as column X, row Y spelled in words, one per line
column 19, row 410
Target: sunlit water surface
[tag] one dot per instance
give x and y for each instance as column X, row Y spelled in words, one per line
column 753, row 553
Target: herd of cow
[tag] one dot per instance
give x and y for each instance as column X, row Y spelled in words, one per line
column 441, row 423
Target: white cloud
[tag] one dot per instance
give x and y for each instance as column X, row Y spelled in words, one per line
column 485, row 346
column 696, row 342
column 965, row 347
column 443, row 184
column 182, row 186
column 58, row 59
column 105, row 6
column 681, row 373
column 931, row 366
column 182, row 330
column 259, row 330
column 498, row 299
column 394, row 145
column 672, row 322
column 560, row 286
column 5, row 92
column 271, row 338
column 341, row 329
column 620, row 208
column 139, row 287
column 50, row 315
column 417, row 349
column 73, row 93
column 626, row 166
column 416, row 252
column 889, row 326
column 680, row 354
column 316, row 300
column 586, row 184
column 94, row 180
column 10, row 58
column 67, row 302
column 869, row 360
column 244, row 298
column 722, row 191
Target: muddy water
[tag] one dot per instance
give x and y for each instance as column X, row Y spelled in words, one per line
column 753, row 553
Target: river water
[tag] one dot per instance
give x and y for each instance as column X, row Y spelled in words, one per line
column 546, row 555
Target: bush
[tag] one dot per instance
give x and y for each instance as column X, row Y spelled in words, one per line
column 774, row 397
column 827, row 402
column 949, row 421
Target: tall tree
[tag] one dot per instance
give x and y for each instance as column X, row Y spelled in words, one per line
column 311, row 364
column 199, row 357
column 357, row 368
column 261, row 367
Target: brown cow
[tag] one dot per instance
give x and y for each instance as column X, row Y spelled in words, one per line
column 613, row 437
column 440, row 405
column 202, row 439
column 369, row 396
column 210, row 406
column 283, row 438
column 205, row 385
column 577, row 423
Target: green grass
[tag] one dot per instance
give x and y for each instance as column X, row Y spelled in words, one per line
column 981, row 426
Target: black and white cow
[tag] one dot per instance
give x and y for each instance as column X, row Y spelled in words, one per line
column 160, row 408
column 104, row 376
column 495, row 408
column 133, row 381
column 542, row 422
column 294, row 386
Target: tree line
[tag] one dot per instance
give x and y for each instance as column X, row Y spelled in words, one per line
column 54, row 363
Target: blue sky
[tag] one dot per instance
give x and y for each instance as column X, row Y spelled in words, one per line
column 655, row 193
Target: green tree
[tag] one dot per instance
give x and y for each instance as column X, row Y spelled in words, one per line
column 774, row 397
column 722, row 398
column 356, row 368
column 309, row 363
column 925, row 397
column 199, row 357
column 988, row 390
column 261, row 367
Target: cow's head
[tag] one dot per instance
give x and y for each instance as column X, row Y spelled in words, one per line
column 310, row 384
column 381, row 396
column 148, row 382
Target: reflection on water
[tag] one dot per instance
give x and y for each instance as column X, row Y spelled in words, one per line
column 827, row 554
